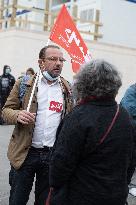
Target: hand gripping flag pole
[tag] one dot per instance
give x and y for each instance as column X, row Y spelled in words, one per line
column 35, row 83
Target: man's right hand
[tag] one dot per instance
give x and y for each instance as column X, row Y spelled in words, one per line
column 25, row 117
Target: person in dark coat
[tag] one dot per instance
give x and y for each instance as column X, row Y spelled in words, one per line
column 94, row 146
column 6, row 84
column 129, row 103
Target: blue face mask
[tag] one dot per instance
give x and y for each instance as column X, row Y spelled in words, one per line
column 47, row 76
column 7, row 71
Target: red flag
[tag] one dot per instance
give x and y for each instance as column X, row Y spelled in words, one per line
column 65, row 34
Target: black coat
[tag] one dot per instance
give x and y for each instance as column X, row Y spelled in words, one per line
column 83, row 172
column 6, row 84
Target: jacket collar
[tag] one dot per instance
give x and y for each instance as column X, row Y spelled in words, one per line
column 66, row 84
column 98, row 101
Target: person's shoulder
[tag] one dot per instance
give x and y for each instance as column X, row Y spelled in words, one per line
column 130, row 90
column 64, row 80
column 11, row 76
column 133, row 86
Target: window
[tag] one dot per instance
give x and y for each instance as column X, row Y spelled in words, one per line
column 87, row 15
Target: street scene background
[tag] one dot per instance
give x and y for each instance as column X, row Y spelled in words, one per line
column 25, row 27
column 5, row 133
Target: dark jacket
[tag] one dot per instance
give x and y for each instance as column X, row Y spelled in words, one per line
column 129, row 101
column 7, row 82
column 83, row 172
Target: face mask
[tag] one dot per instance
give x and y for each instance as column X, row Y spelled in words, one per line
column 28, row 75
column 7, row 71
column 48, row 76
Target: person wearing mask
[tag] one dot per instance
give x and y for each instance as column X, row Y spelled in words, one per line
column 90, row 159
column 30, row 72
column 23, row 81
column 7, row 82
column 35, row 130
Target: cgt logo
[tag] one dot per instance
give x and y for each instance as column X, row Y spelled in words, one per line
column 55, row 106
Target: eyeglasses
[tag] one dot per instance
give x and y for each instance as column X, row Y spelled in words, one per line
column 55, row 59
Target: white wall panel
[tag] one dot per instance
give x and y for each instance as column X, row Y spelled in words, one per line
column 20, row 50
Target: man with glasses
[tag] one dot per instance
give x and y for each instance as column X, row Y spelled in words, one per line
column 35, row 131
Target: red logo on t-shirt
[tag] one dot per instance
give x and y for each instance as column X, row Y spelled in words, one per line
column 55, row 106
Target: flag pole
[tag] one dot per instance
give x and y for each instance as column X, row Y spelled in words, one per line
column 35, row 83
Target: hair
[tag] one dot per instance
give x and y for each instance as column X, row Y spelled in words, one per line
column 42, row 52
column 31, row 70
column 97, row 78
column 5, row 67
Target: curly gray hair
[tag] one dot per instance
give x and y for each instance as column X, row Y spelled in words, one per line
column 97, row 78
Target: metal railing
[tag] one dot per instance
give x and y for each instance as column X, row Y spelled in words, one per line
column 10, row 17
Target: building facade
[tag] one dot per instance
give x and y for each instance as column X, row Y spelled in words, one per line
column 112, row 37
